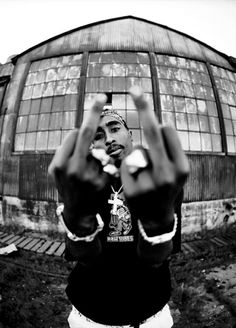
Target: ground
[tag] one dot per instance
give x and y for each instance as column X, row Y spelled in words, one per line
column 32, row 289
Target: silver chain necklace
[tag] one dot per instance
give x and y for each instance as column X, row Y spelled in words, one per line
column 115, row 201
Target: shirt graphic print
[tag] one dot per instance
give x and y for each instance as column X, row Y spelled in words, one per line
column 120, row 225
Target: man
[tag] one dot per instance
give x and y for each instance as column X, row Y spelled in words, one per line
column 119, row 217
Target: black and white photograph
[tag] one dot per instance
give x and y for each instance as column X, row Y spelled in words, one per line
column 117, row 164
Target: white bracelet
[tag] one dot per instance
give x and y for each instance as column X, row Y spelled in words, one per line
column 71, row 235
column 161, row 238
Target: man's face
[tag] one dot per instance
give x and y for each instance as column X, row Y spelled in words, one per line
column 113, row 136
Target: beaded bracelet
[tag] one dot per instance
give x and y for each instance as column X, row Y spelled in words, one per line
column 161, row 238
column 74, row 237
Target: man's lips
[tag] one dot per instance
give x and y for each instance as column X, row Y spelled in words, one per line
column 113, row 151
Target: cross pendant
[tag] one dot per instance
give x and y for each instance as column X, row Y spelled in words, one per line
column 115, row 201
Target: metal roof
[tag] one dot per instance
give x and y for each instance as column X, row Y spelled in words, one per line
column 127, row 33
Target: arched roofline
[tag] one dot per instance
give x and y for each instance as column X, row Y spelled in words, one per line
column 15, row 58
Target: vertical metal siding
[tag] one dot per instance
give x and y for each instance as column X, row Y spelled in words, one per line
column 34, row 182
column 211, row 177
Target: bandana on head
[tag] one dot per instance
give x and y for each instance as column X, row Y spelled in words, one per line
column 113, row 113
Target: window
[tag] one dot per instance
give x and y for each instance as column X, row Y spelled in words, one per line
column 188, row 103
column 114, row 73
column 3, row 85
column 48, row 105
column 226, row 86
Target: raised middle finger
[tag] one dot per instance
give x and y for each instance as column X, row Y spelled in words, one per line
column 89, row 128
column 149, row 122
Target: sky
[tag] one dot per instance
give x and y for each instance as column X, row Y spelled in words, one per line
column 25, row 23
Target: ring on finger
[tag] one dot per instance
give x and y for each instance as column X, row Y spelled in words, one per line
column 136, row 161
column 101, row 155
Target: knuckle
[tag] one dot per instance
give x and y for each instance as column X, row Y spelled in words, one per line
column 87, row 132
column 152, row 132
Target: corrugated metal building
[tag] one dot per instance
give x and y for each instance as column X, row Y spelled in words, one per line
column 47, row 90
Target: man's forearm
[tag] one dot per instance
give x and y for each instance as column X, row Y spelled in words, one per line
column 82, row 251
column 153, row 254
column 155, row 241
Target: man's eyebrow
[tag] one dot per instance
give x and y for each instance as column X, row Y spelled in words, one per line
column 112, row 123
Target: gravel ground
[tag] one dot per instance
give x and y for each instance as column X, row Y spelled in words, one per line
column 204, row 289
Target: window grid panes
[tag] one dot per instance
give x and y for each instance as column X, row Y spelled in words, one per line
column 48, row 105
column 188, row 103
column 116, row 73
column 226, row 85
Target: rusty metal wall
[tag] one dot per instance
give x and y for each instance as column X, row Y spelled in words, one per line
column 33, row 178
column 211, row 177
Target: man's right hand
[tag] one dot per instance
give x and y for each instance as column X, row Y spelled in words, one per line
column 78, row 176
